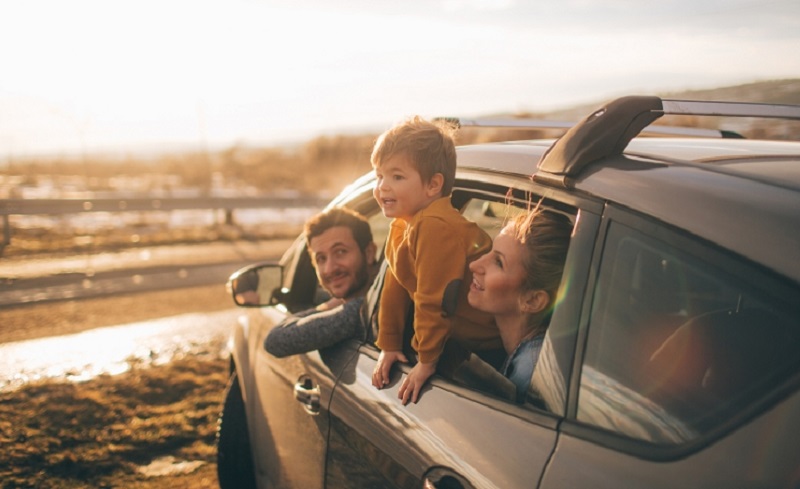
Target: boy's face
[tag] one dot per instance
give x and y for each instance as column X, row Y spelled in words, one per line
column 400, row 191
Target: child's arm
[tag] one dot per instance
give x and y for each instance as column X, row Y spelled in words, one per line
column 380, row 375
column 392, row 310
column 409, row 389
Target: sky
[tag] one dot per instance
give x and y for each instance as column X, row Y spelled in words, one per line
column 81, row 76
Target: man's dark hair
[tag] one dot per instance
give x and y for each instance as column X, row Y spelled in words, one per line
column 339, row 216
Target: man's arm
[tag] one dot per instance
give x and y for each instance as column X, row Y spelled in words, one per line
column 317, row 330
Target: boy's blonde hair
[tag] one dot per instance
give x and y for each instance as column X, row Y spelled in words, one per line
column 429, row 145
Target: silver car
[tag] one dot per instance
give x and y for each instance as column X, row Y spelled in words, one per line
column 670, row 361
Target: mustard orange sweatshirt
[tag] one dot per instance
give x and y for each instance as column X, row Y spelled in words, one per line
column 424, row 255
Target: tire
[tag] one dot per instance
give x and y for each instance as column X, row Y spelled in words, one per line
column 235, row 468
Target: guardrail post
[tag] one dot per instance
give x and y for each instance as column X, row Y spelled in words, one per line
column 6, row 233
column 229, row 217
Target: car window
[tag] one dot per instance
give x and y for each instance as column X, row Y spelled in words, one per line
column 482, row 372
column 489, row 215
column 680, row 343
column 380, row 229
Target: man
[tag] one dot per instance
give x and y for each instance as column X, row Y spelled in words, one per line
column 342, row 251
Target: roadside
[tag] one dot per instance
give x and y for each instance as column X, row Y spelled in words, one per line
column 44, row 264
column 152, row 427
column 31, row 321
column 114, row 431
column 34, row 320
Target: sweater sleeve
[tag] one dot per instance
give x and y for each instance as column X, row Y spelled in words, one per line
column 440, row 258
column 394, row 304
column 300, row 334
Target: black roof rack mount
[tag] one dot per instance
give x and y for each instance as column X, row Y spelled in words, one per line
column 608, row 130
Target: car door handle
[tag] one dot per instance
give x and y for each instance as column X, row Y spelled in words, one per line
column 308, row 394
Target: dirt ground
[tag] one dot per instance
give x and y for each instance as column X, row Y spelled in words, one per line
column 113, row 431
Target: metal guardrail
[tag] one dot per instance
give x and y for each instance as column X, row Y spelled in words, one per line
column 9, row 207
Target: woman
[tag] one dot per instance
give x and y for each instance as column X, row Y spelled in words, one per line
column 517, row 282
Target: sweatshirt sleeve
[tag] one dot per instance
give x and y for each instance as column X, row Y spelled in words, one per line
column 394, row 304
column 300, row 334
column 441, row 257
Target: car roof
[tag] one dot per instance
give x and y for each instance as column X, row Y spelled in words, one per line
column 743, row 195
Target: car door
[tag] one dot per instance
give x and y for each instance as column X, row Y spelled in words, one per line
column 689, row 374
column 289, row 411
column 465, row 431
column 288, row 402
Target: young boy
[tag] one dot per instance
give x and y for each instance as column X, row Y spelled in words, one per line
column 430, row 245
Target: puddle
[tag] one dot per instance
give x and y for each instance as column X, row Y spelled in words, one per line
column 169, row 465
column 112, row 350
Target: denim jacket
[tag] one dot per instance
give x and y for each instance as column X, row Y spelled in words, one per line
column 519, row 366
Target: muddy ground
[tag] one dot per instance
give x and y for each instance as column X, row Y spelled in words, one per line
column 152, row 427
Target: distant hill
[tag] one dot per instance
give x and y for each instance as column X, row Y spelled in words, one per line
column 768, row 92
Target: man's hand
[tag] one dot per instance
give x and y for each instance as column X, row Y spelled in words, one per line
column 409, row 389
column 380, row 376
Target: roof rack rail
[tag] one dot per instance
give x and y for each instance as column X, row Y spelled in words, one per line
column 608, row 130
column 523, row 123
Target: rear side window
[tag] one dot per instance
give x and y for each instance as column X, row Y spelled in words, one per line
column 680, row 343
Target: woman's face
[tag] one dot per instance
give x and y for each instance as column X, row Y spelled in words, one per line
column 498, row 277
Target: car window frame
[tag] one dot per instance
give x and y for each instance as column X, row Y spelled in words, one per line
column 520, row 193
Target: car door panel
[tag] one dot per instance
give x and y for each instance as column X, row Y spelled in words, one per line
column 743, row 459
column 375, row 441
column 288, row 434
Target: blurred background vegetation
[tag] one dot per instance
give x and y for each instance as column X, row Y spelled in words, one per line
column 326, row 164
column 320, row 167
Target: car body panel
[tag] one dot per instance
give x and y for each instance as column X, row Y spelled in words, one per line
column 290, row 439
column 758, row 221
column 756, row 455
column 385, row 444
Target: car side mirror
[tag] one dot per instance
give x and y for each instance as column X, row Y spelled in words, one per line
column 257, row 285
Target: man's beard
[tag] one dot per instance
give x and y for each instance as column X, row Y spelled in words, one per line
column 361, row 276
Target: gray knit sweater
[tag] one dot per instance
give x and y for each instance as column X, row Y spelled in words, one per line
column 312, row 330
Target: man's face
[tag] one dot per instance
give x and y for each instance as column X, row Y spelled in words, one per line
column 342, row 268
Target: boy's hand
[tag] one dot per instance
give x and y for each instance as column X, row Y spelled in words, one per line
column 380, row 376
column 409, row 389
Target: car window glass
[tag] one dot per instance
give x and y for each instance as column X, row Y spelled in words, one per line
column 490, row 216
column 380, row 229
column 678, row 345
